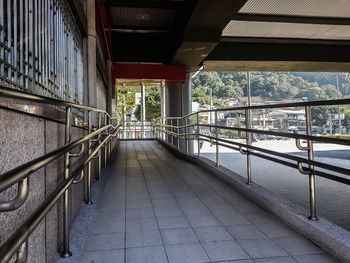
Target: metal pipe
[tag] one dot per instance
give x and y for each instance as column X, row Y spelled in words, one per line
column 22, row 194
column 21, row 172
column 9, row 248
column 216, row 142
column 178, row 137
column 186, row 140
column 99, row 168
column 88, row 177
column 105, row 148
column 78, row 154
column 198, row 146
column 249, row 142
column 22, row 253
column 312, row 188
column 65, row 251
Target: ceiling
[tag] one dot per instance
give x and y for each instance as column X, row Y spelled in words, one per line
column 231, row 35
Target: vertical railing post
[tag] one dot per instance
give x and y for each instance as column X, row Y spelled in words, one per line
column 186, row 132
column 105, row 146
column 109, row 142
column 88, row 177
column 172, row 131
column 249, row 142
column 135, row 129
column 178, row 134
column 199, row 146
column 66, row 252
column 217, row 142
column 312, row 188
column 99, row 151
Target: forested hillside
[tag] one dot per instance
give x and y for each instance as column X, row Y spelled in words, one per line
column 269, row 85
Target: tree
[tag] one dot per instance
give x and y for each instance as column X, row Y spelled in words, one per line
column 129, row 103
column 152, row 104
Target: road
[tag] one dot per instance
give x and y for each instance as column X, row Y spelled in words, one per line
column 332, row 197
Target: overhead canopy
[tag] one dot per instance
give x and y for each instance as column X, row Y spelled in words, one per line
column 311, row 35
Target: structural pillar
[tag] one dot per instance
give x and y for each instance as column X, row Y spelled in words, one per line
column 162, row 108
column 91, row 23
column 110, row 88
column 187, row 108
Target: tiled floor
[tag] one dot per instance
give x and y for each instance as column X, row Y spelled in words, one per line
column 157, row 208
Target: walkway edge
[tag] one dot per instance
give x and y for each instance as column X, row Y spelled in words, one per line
column 330, row 237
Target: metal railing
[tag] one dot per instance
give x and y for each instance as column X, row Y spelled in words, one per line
column 97, row 138
column 178, row 131
column 136, row 130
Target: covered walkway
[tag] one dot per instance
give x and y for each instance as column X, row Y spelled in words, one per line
column 155, row 207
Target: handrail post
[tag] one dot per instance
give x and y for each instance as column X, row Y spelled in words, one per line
column 199, row 147
column 249, row 142
column 178, row 134
column 109, row 142
column 105, row 148
column 217, row 142
column 99, row 151
column 172, row 131
column 312, row 188
column 186, row 129
column 88, row 177
column 66, row 252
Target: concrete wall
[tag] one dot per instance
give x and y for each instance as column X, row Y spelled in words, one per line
column 22, row 138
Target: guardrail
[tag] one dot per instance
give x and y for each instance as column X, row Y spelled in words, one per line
column 136, row 130
column 97, row 138
column 177, row 129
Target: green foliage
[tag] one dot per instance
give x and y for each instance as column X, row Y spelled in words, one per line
column 129, row 104
column 152, row 101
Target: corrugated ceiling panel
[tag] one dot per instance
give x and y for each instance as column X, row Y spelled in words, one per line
column 285, row 30
column 321, row 8
column 147, row 17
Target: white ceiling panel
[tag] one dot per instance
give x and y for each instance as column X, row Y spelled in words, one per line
column 315, row 8
column 286, row 30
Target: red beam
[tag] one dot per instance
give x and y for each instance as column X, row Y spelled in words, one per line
column 169, row 73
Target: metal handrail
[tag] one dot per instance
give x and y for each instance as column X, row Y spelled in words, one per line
column 10, row 247
column 191, row 131
column 21, row 174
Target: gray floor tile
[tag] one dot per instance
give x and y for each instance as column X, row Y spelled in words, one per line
column 262, row 247
column 297, row 245
column 108, row 256
column 138, row 203
column 108, row 225
column 164, row 202
column 105, row 241
column 319, row 258
column 143, row 238
column 270, row 226
column 172, row 222
column 195, row 210
column 221, row 208
column 202, row 220
column 115, row 214
column 140, row 224
column 239, row 261
column 109, row 206
column 212, row 233
column 232, row 219
column 224, row 250
column 186, row 253
column 178, row 236
column 245, row 232
column 139, row 213
column 161, row 195
column 155, row 254
column 276, row 260
column 168, row 211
